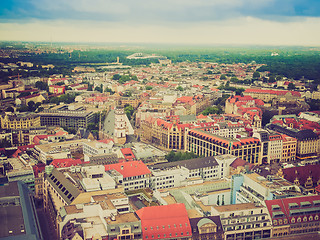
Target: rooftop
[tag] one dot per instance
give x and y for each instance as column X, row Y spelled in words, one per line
column 236, row 207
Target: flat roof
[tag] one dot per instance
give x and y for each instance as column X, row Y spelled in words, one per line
column 123, row 218
column 236, row 207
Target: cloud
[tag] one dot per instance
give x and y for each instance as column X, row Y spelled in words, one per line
column 156, row 11
column 271, row 22
column 244, row 30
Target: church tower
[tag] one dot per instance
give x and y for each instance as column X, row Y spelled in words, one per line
column 120, row 126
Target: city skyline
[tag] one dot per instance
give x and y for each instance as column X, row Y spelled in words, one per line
column 265, row 22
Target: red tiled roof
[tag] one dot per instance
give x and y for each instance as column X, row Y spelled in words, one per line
column 30, row 96
column 302, row 172
column 40, row 167
column 129, row 169
column 201, row 116
column 165, row 221
column 106, row 140
column 184, row 99
column 273, row 92
column 56, row 86
column 128, row 154
column 241, row 163
column 238, row 98
column 283, row 205
column 66, row 162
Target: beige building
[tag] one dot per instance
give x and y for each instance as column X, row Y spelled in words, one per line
column 19, row 121
column 204, row 143
column 73, row 186
column 289, row 148
column 244, row 221
column 267, row 95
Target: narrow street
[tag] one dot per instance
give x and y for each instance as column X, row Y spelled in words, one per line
column 47, row 231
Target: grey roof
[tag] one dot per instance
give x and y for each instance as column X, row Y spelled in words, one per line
column 187, row 118
column 109, row 123
column 19, row 214
column 300, row 135
column 204, row 221
column 194, row 163
column 56, row 178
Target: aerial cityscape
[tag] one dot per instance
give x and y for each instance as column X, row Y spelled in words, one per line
column 159, row 120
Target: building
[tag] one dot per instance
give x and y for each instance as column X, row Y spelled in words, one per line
column 93, row 148
column 181, row 173
column 244, row 221
column 202, row 142
column 46, row 153
column 294, row 215
column 74, row 185
column 106, row 216
column 21, row 170
column 38, row 172
column 132, row 175
column 207, row 228
column 56, row 89
column 19, row 121
column 271, row 146
column 67, row 117
column 18, row 213
column 117, row 126
column 268, row 95
column 165, row 134
column 254, row 188
column 289, row 148
column 165, row 222
column 247, row 107
column 307, row 141
column 306, row 177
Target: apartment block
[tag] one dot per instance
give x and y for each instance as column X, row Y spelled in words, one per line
column 244, row 221
column 202, row 142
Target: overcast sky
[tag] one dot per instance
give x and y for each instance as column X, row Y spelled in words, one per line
column 262, row 22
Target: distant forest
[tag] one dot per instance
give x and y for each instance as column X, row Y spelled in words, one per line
column 290, row 62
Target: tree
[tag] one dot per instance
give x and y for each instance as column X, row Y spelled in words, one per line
column 256, row 75
column 291, row 86
column 177, row 156
column 31, row 106
column 90, row 87
column 10, row 109
column 4, row 143
column 23, row 108
column 212, row 110
column 179, row 88
column 116, row 76
column 148, row 87
column 109, row 90
column 98, row 89
column 129, row 110
column 223, row 77
column 42, row 85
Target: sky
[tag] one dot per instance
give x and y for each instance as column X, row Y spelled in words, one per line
column 237, row 22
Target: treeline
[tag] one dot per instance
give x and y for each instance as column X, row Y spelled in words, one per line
column 290, row 62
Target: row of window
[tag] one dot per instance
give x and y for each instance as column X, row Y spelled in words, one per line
column 165, row 235
column 164, row 227
column 61, row 187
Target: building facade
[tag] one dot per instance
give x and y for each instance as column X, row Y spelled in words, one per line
column 63, row 117
column 19, row 121
column 244, row 221
column 203, row 143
